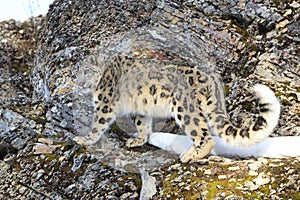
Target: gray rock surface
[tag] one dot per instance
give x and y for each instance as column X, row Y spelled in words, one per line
column 245, row 41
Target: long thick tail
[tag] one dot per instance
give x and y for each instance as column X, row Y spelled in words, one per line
column 275, row 147
column 262, row 127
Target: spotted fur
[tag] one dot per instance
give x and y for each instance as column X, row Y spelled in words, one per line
column 191, row 95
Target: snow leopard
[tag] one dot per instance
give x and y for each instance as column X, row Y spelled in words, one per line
column 190, row 94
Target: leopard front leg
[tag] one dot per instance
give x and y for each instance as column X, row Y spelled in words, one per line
column 144, row 128
column 104, row 117
column 101, row 124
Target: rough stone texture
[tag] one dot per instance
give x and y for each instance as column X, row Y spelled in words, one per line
column 246, row 41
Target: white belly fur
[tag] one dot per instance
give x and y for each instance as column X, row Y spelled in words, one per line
column 135, row 105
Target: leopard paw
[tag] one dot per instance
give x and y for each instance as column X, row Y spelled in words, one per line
column 136, row 142
column 196, row 153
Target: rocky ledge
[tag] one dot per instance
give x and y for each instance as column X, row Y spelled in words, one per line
column 246, row 42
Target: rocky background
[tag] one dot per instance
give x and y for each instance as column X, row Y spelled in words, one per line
column 247, row 42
